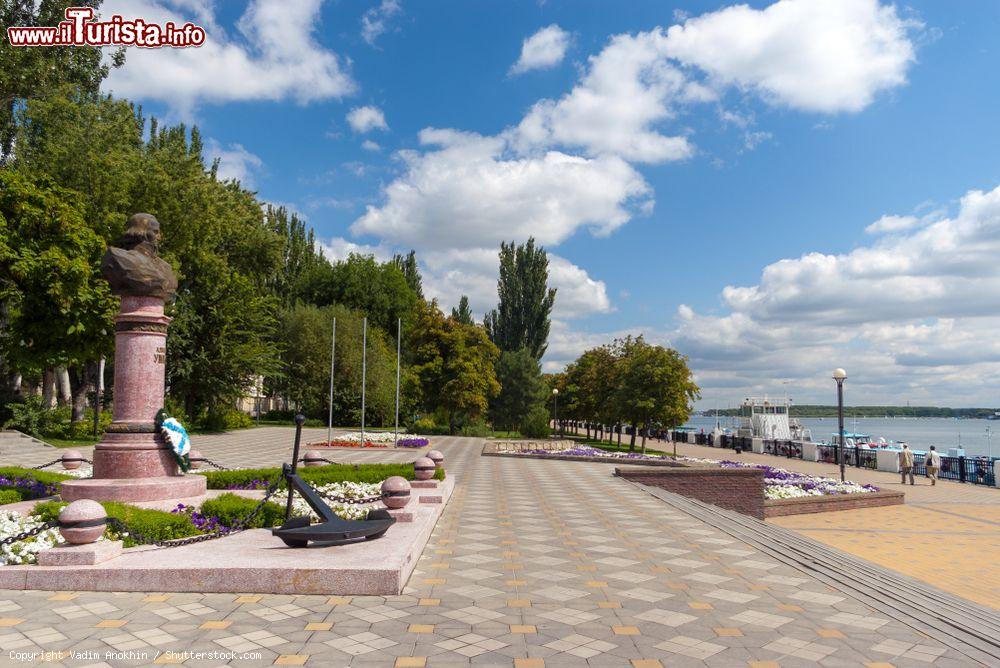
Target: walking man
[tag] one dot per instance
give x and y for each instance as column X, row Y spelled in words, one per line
column 906, row 463
column 933, row 463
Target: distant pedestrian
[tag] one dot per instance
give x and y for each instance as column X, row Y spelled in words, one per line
column 933, row 463
column 906, row 463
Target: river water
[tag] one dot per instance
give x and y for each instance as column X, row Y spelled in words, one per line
column 920, row 433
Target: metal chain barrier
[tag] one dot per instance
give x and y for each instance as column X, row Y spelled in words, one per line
column 28, row 534
column 121, row 527
column 43, row 466
column 341, row 499
column 208, row 461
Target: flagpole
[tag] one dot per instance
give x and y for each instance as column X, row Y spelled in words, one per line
column 364, row 363
column 333, row 350
column 399, row 347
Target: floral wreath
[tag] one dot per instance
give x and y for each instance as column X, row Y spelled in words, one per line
column 176, row 435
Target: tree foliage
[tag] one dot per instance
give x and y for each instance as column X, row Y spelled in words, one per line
column 306, row 339
column 452, row 366
column 60, row 311
column 628, row 381
column 411, row 272
column 521, row 318
column 462, row 313
column 522, row 389
column 31, row 73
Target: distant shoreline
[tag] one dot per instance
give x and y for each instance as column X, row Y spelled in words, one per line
column 810, row 411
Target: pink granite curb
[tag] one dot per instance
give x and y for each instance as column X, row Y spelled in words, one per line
column 252, row 561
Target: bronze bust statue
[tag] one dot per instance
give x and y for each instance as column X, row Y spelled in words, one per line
column 135, row 269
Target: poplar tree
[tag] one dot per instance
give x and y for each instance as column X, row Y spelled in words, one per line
column 521, row 318
column 463, row 313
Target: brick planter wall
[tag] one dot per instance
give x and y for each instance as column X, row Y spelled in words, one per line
column 741, row 489
column 824, row 504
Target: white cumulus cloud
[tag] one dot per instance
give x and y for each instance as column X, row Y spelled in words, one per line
column 913, row 315
column 815, row 55
column 545, row 49
column 468, row 192
column 235, row 162
column 273, row 55
column 367, row 118
column 375, row 21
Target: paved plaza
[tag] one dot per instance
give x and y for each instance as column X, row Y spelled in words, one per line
column 534, row 563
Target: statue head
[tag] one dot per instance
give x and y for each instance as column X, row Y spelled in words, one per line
column 142, row 233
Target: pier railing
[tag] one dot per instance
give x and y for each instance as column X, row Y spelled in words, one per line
column 973, row 470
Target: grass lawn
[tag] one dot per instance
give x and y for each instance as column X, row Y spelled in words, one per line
column 69, row 443
column 604, row 445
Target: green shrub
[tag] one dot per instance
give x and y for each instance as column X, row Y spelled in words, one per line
column 479, row 429
column 227, row 420
column 47, row 477
column 153, row 524
column 536, row 424
column 424, row 425
column 10, row 496
column 230, row 509
column 317, row 475
column 279, row 416
column 84, row 429
column 32, row 417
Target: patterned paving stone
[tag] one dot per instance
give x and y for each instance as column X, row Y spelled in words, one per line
column 605, row 577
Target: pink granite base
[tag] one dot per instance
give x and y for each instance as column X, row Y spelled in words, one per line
column 401, row 514
column 130, row 490
column 251, row 561
column 423, row 484
column 81, row 555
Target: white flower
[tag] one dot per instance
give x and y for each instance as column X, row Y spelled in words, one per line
column 370, row 437
column 26, row 551
column 343, row 490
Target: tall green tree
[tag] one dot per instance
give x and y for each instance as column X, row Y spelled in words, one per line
column 411, row 271
column 59, row 309
column 590, row 385
column 521, row 318
column 31, row 73
column 653, row 386
column 361, row 283
column 306, row 333
column 463, row 313
column 522, row 389
column 452, row 366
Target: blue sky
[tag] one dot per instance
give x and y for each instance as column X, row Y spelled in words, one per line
column 704, row 173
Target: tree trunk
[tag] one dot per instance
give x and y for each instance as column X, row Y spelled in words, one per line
column 49, row 388
column 618, row 428
column 65, row 387
column 645, row 430
column 82, row 382
column 631, row 442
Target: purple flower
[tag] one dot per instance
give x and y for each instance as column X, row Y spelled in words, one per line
column 412, row 442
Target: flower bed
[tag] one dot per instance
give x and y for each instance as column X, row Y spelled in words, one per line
column 783, row 484
column 24, row 552
column 336, row 443
column 372, row 439
column 587, row 451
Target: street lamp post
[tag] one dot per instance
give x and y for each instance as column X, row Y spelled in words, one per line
column 555, row 401
column 840, row 376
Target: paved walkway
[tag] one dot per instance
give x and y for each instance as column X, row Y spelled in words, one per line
column 947, row 535
column 534, row 563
